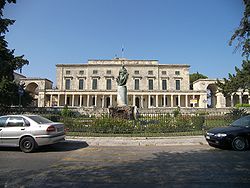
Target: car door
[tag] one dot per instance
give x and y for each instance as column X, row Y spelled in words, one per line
column 14, row 129
column 3, row 121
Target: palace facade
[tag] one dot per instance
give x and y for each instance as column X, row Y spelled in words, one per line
column 150, row 85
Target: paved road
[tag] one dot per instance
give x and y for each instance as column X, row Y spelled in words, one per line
column 75, row 164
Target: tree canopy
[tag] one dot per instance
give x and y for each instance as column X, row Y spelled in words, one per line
column 242, row 33
column 8, row 64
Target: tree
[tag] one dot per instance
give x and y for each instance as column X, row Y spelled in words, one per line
column 242, row 33
column 236, row 82
column 8, row 64
column 195, row 76
column 240, row 81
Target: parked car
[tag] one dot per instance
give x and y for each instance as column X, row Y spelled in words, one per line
column 236, row 135
column 29, row 131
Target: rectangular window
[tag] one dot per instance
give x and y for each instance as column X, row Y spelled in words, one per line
column 137, row 72
column 150, row 72
column 150, row 84
column 67, row 84
column 81, row 84
column 109, row 84
column 137, row 84
column 164, row 84
column 177, row 72
column 177, row 84
column 95, row 71
column 108, row 71
column 81, row 72
column 67, row 72
column 94, row 84
column 163, row 72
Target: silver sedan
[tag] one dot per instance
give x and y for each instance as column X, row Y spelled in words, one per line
column 29, row 131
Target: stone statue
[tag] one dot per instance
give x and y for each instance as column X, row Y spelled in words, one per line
column 123, row 76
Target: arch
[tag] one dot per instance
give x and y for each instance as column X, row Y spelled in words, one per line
column 33, row 90
column 211, row 95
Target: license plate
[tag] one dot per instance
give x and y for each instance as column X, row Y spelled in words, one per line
column 207, row 137
column 59, row 129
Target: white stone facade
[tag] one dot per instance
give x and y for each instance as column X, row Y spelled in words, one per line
column 150, row 85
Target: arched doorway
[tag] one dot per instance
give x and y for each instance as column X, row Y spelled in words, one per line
column 33, row 90
column 211, row 95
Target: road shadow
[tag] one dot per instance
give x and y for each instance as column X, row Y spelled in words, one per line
column 114, row 168
column 58, row 147
column 63, row 146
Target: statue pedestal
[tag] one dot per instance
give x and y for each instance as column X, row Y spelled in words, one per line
column 123, row 112
column 122, row 96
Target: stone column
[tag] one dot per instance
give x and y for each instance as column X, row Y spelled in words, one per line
column 172, row 101
column 164, row 100
column 96, row 100
column 51, row 100
column 240, row 98
column 73, row 100
column 65, row 99
column 58, row 99
column 156, row 101
column 80, row 101
column 87, row 100
column 142, row 101
column 149, row 99
column 179, row 100
column 133, row 100
column 103, row 101
column 186, row 100
column 111, row 100
column 232, row 101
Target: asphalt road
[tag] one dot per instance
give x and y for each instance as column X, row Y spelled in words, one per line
column 75, row 164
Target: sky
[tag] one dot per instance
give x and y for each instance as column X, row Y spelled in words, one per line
column 193, row 32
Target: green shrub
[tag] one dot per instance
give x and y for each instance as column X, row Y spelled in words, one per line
column 242, row 105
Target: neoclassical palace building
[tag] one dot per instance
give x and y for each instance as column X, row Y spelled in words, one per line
column 150, row 85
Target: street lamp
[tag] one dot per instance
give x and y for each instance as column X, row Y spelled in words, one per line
column 20, row 94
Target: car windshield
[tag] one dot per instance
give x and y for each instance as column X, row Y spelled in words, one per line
column 242, row 122
column 40, row 119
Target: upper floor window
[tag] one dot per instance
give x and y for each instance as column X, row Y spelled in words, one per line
column 67, row 84
column 177, row 84
column 163, row 72
column 108, row 72
column 177, row 72
column 95, row 71
column 150, row 84
column 81, row 84
column 137, row 72
column 150, row 72
column 94, row 83
column 81, row 72
column 164, row 84
column 137, row 84
column 109, row 84
column 67, row 71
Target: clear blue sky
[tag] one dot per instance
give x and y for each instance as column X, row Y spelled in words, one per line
column 194, row 32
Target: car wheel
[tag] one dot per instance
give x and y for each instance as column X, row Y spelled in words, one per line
column 239, row 144
column 27, row 144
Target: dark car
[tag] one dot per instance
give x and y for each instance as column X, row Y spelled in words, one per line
column 236, row 135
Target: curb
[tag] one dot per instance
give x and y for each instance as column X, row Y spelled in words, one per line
column 140, row 141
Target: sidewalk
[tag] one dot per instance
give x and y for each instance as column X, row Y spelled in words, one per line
column 140, row 141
